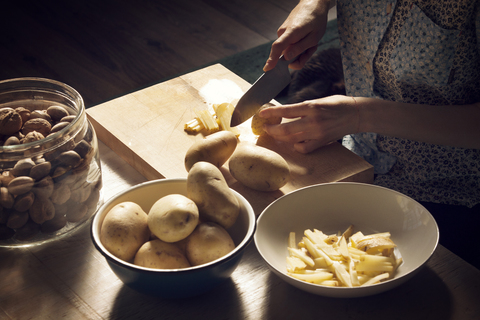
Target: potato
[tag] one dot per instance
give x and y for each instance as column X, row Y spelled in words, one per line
column 208, row 242
column 257, row 122
column 173, row 217
column 216, row 202
column 215, row 148
column 259, row 168
column 161, row 255
column 124, row 230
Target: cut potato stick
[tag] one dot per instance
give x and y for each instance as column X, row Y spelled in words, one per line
column 382, row 266
column 292, row 243
column 353, row 273
column 301, row 255
column 320, row 263
column 351, row 259
column 330, row 283
column 295, row 263
column 313, row 277
column 342, row 274
column 376, row 279
column 316, row 252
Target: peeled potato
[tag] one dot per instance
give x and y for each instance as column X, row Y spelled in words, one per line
column 161, row 255
column 216, row 202
column 258, row 122
column 259, row 168
column 207, row 243
column 124, row 230
column 215, row 148
column 173, row 217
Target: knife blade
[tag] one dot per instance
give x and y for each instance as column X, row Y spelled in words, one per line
column 265, row 88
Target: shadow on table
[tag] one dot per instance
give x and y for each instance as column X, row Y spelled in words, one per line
column 424, row 296
column 130, row 304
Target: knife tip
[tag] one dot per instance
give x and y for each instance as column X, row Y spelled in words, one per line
column 236, row 119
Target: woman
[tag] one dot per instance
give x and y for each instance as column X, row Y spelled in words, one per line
column 412, row 75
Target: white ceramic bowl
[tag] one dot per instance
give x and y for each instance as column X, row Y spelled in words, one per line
column 175, row 283
column 333, row 207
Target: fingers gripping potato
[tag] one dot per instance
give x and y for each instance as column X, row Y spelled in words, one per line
column 259, row 168
column 173, row 217
column 216, row 202
column 215, row 148
column 258, row 122
column 124, row 230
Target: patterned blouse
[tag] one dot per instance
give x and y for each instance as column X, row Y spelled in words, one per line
column 422, row 52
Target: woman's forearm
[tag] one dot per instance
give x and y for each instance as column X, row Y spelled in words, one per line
column 457, row 126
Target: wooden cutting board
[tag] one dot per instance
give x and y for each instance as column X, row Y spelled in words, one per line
column 146, row 129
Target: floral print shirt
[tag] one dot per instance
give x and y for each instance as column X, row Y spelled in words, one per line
column 421, row 52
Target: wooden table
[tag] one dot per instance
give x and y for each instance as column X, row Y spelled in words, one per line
column 69, row 279
column 146, row 129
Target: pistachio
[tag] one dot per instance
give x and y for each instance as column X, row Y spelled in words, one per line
column 77, row 212
column 40, row 114
column 57, row 112
column 82, row 148
column 17, row 219
column 37, row 124
column 69, row 159
column 23, row 167
column 5, row 178
column 10, row 121
column 68, row 118
column 11, row 141
column 59, row 126
column 20, row 185
column 24, row 201
column 61, row 193
column 93, row 199
column 44, row 188
column 52, row 155
column 81, row 193
column 42, row 210
column 40, row 170
column 6, row 198
column 56, row 223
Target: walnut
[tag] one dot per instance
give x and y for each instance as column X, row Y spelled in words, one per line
column 32, row 136
column 40, row 125
column 24, row 113
column 10, row 121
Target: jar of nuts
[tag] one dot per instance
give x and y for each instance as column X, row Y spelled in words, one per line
column 50, row 175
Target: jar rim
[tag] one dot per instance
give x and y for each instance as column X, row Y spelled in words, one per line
column 56, row 87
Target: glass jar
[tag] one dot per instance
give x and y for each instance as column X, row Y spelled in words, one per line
column 50, row 175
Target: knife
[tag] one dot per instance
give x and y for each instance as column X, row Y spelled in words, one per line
column 267, row 87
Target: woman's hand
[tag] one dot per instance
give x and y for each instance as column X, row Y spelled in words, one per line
column 316, row 122
column 299, row 35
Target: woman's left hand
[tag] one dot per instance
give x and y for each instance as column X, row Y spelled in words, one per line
column 316, row 122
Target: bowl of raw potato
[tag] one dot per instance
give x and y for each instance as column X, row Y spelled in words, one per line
column 166, row 249
column 345, row 239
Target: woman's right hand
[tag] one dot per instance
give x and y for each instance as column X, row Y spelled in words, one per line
column 299, row 35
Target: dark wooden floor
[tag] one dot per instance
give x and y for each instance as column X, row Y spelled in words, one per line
column 106, row 48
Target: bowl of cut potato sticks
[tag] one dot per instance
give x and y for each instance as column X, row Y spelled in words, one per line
column 345, row 239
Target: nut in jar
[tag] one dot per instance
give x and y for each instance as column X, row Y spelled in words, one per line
column 50, row 175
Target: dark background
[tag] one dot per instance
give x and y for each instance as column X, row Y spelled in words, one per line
column 108, row 48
